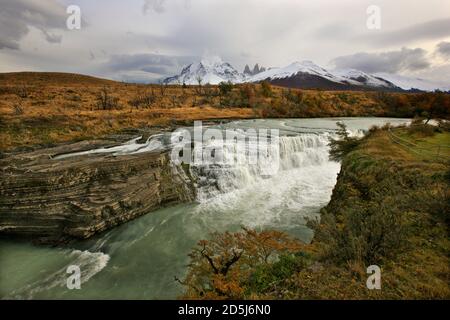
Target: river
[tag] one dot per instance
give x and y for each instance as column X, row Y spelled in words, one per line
column 139, row 259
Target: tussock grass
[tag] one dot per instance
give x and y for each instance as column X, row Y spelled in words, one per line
column 42, row 108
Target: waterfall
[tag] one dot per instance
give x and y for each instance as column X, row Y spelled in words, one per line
column 291, row 152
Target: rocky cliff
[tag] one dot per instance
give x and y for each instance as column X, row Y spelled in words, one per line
column 52, row 200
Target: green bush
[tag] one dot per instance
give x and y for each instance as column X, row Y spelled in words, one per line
column 420, row 128
column 343, row 144
column 225, row 87
column 367, row 233
column 266, row 89
column 266, row 276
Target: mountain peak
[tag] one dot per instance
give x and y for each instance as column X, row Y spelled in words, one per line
column 299, row 74
column 211, row 60
column 210, row 69
column 256, row 69
column 304, row 63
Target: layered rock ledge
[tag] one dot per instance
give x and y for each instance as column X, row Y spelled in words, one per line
column 50, row 199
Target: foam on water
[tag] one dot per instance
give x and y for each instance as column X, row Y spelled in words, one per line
column 243, row 195
column 90, row 263
column 139, row 259
column 291, row 152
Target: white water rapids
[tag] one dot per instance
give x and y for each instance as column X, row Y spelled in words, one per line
column 139, row 259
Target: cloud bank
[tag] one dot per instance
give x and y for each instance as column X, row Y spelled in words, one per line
column 391, row 61
column 18, row 16
column 150, row 39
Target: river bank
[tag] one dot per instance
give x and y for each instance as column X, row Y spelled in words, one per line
column 140, row 258
column 41, row 110
column 53, row 201
column 388, row 210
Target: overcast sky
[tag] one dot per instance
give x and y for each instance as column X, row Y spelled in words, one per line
column 144, row 40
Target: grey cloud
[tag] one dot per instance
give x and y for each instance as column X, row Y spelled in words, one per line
column 391, row 61
column 187, row 4
column 8, row 44
column 333, row 30
column 160, row 6
column 161, row 70
column 434, row 29
column 162, row 65
column 17, row 16
column 443, row 49
column 272, row 33
column 155, row 5
column 245, row 55
column 52, row 38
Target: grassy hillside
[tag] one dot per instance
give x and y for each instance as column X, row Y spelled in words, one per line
column 390, row 208
column 47, row 108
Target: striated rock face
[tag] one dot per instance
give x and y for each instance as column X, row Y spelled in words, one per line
column 76, row 197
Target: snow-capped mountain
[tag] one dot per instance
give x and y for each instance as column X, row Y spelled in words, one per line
column 208, row 70
column 410, row 83
column 304, row 74
column 307, row 74
column 291, row 70
column 357, row 77
column 256, row 69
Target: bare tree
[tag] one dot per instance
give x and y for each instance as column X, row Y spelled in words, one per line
column 105, row 101
column 174, row 100
column 162, row 87
column 198, row 89
column 143, row 98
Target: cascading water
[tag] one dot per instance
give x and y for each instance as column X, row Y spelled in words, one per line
column 291, row 152
column 139, row 259
column 299, row 182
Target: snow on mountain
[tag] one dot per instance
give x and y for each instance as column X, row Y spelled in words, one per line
column 357, row 77
column 304, row 74
column 350, row 76
column 256, row 69
column 408, row 83
column 291, row 70
column 210, row 70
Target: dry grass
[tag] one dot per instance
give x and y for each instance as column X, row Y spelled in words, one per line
column 47, row 108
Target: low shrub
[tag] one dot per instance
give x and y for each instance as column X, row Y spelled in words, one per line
column 367, row 232
column 343, row 144
column 143, row 99
column 105, row 101
column 419, row 128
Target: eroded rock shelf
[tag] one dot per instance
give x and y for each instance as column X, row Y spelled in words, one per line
column 52, row 200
